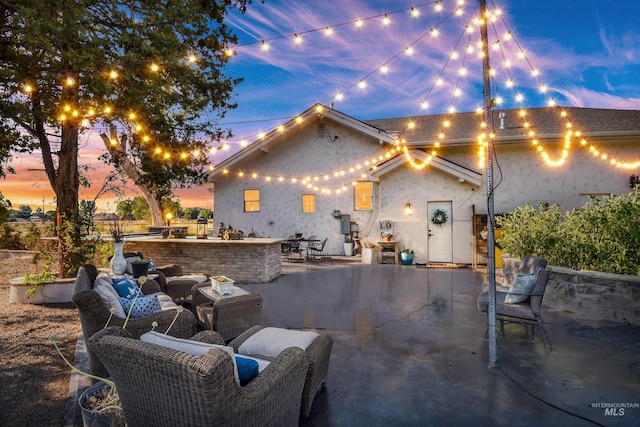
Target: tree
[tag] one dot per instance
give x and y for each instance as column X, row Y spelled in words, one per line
column 123, row 208
column 191, row 213
column 5, row 208
column 140, row 208
column 65, row 61
column 24, row 211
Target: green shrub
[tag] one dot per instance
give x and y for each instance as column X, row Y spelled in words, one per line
column 603, row 235
column 10, row 238
column 529, row 230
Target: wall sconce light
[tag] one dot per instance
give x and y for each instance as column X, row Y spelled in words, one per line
column 407, row 208
column 634, row 180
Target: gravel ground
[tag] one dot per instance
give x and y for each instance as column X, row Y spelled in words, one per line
column 34, row 380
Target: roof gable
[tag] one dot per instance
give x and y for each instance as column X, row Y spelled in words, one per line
column 317, row 113
column 435, row 162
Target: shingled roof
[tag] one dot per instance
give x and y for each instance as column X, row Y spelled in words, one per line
column 545, row 122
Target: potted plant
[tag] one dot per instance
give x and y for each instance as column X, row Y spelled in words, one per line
column 348, row 245
column 368, row 251
column 140, row 267
column 406, row 256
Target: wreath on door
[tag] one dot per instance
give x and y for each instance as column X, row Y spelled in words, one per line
column 439, row 217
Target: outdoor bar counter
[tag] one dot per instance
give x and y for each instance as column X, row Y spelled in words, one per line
column 251, row 260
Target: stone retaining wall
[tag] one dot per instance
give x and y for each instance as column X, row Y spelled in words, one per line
column 590, row 294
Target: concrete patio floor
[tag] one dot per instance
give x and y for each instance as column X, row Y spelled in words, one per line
column 410, row 350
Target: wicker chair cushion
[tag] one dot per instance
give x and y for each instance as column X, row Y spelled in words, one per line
column 109, row 295
column 197, row 278
column 166, row 302
column 141, row 306
column 194, row 348
column 520, row 289
column 270, row 342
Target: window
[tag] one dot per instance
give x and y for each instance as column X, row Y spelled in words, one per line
column 308, row 203
column 252, row 200
column 363, row 195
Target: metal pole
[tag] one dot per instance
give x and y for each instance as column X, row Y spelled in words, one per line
column 491, row 254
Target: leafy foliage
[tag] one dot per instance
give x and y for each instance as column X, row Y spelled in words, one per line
column 58, row 55
column 10, row 238
column 5, row 208
column 603, row 235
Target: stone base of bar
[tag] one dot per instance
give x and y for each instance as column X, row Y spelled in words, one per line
column 252, row 260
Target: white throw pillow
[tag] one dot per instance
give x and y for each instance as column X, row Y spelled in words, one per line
column 270, row 342
column 109, row 296
column 194, row 348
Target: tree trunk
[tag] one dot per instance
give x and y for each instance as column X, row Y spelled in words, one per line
column 66, row 188
column 118, row 151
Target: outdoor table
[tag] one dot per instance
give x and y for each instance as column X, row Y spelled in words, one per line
column 213, row 296
column 229, row 315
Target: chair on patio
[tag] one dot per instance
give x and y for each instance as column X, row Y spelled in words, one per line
column 522, row 302
column 267, row 342
column 315, row 250
column 171, row 278
column 294, row 250
column 94, row 300
column 174, row 385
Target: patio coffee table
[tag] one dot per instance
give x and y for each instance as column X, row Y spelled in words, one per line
column 228, row 315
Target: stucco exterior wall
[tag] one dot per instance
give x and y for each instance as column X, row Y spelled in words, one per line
column 304, row 154
column 520, row 176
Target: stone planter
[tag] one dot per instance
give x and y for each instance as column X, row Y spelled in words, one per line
column 59, row 291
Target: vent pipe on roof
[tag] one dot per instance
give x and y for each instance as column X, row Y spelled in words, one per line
column 503, row 120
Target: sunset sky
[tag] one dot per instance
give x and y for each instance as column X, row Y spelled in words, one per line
column 586, row 54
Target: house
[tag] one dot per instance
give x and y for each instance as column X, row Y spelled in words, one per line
column 325, row 173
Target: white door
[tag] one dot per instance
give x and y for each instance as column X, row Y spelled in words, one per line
column 440, row 233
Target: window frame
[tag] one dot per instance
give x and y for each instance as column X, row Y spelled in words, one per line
column 245, row 200
column 313, row 196
column 369, row 197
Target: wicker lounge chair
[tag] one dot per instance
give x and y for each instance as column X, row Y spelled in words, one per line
column 318, row 354
column 159, row 386
column 94, row 315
